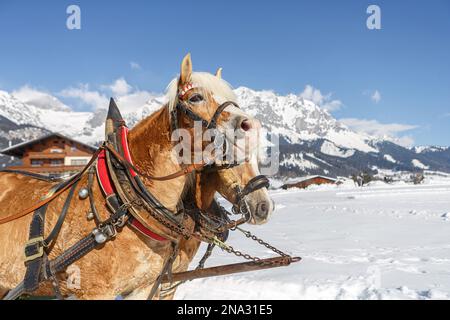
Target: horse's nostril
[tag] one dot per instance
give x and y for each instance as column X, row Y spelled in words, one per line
column 263, row 207
column 246, row 125
column 262, row 210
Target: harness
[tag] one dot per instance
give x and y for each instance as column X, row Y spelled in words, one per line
column 128, row 201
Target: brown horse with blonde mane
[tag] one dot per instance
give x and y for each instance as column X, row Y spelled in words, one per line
column 130, row 264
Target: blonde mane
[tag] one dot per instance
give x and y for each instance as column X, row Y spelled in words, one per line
column 219, row 88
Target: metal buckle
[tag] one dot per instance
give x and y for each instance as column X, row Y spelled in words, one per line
column 40, row 252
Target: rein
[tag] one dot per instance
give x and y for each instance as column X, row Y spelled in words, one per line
column 183, row 172
column 51, row 195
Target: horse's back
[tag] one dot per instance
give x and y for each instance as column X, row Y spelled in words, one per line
column 17, row 192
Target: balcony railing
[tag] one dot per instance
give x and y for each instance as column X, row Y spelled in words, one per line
column 47, row 168
column 46, row 155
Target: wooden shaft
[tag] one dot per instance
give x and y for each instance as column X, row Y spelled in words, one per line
column 229, row 269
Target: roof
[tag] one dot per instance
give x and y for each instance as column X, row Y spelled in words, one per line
column 19, row 149
column 302, row 179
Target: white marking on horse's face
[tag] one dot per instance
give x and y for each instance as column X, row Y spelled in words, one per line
column 244, row 140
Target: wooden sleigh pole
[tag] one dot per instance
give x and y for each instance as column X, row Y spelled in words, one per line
column 262, row 264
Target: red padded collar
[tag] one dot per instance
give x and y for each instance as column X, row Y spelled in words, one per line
column 108, row 187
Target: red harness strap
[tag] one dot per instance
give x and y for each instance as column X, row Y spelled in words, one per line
column 126, row 150
column 108, row 188
column 103, row 174
column 145, row 231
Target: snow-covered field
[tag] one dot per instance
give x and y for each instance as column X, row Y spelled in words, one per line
column 376, row 242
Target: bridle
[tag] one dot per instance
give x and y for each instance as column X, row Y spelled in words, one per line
column 220, row 142
column 241, row 206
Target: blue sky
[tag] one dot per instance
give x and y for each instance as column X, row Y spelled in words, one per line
column 278, row 45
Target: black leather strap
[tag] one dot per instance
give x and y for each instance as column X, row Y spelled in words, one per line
column 256, row 183
column 34, row 250
column 62, row 216
column 32, row 175
column 211, row 124
column 74, row 253
column 191, row 114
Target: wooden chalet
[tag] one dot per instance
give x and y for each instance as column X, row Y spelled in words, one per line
column 307, row 181
column 52, row 155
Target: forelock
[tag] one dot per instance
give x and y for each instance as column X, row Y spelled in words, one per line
column 219, row 88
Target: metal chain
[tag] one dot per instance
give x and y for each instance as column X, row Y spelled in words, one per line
column 248, row 234
column 179, row 229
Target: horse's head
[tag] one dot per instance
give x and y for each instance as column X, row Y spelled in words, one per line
column 230, row 183
column 206, row 100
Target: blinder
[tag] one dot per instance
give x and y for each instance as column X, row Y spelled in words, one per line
column 219, row 139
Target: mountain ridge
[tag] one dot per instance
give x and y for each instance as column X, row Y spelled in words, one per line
column 312, row 141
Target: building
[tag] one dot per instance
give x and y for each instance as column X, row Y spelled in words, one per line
column 304, row 182
column 52, row 155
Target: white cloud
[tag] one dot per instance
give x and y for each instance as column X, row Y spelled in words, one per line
column 406, row 141
column 40, row 99
column 135, row 65
column 94, row 99
column 376, row 96
column 374, row 128
column 134, row 100
column 126, row 96
column 323, row 101
column 446, row 115
column 120, row 87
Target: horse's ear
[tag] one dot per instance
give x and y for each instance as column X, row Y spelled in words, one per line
column 186, row 69
column 219, row 73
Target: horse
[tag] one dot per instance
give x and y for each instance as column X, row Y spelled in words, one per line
column 131, row 263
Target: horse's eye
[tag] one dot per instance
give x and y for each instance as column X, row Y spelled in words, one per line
column 196, row 98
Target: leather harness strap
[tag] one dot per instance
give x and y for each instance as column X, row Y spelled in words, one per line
column 48, row 199
column 32, row 175
column 52, row 195
column 36, row 249
column 183, row 172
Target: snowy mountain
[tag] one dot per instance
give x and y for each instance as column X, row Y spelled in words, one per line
column 311, row 140
column 299, row 120
column 427, row 149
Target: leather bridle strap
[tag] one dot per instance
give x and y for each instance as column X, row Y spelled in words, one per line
column 191, row 114
column 185, row 171
column 211, row 124
column 256, row 183
column 56, row 194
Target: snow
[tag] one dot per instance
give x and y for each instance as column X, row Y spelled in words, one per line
column 423, row 149
column 299, row 161
column 351, row 140
column 376, row 242
column 299, row 119
column 332, row 150
column 389, row 158
column 416, row 163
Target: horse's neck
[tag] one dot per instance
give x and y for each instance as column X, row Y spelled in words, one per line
column 151, row 151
